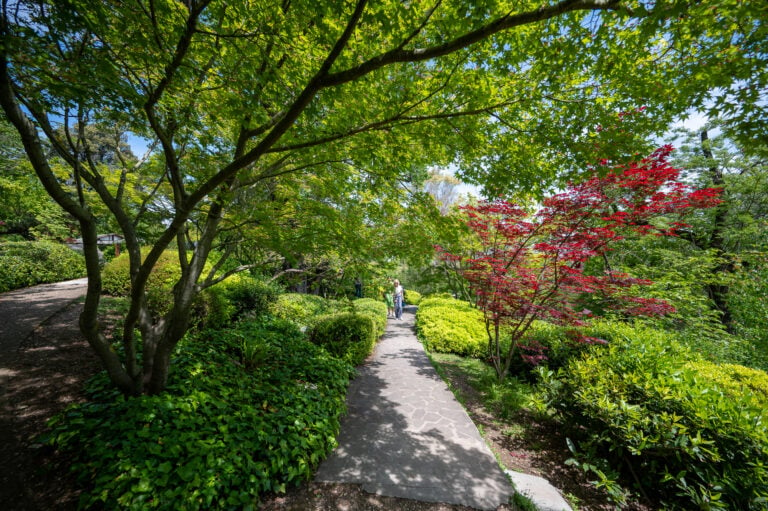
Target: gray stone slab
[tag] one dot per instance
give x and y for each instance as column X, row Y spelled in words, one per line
column 406, row 436
column 543, row 495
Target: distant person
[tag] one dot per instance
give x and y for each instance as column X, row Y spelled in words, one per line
column 358, row 288
column 390, row 301
column 398, row 296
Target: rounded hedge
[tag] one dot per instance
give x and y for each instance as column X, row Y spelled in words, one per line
column 376, row 310
column 693, row 434
column 213, row 307
column 27, row 263
column 447, row 325
column 301, row 308
column 348, row 335
column 412, row 297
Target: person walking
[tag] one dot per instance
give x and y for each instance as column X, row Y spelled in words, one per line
column 398, row 297
column 390, row 301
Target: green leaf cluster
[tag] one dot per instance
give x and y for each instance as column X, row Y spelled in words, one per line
column 26, row 263
column 412, row 297
column 447, row 325
column 376, row 310
column 689, row 433
column 348, row 336
column 222, row 434
column 301, row 308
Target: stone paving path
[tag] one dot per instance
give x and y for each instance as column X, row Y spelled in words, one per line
column 22, row 310
column 406, row 435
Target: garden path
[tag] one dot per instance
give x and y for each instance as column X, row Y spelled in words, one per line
column 22, row 310
column 406, row 435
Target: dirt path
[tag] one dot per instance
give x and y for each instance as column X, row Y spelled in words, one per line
column 42, row 370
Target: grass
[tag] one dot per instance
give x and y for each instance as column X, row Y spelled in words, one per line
column 500, row 399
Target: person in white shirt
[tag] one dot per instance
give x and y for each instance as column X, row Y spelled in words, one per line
column 398, row 296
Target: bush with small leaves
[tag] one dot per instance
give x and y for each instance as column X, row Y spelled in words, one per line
column 376, row 310
column 27, row 263
column 232, row 424
column 301, row 308
column 691, row 434
column 348, row 335
column 447, row 325
column 412, row 297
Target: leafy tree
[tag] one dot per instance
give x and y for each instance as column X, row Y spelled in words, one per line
column 444, row 189
column 532, row 266
column 240, row 93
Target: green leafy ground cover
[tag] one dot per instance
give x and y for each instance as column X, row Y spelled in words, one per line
column 646, row 415
column 249, row 409
column 231, row 426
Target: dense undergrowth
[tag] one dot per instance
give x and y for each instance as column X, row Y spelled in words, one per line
column 647, row 416
column 27, row 263
column 249, row 409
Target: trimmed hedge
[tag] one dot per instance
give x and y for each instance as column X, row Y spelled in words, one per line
column 693, row 434
column 222, row 434
column 27, row 263
column 412, row 297
column 376, row 310
column 212, row 308
column 301, row 308
column 447, row 325
column 348, row 335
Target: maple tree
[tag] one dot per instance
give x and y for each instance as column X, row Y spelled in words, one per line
column 236, row 98
column 533, row 266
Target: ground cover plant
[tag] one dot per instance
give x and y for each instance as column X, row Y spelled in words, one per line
column 26, row 263
column 247, row 411
column 687, row 433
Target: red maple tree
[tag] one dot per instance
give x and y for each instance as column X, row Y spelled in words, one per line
column 532, row 265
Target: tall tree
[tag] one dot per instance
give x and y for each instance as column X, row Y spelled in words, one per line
column 236, row 93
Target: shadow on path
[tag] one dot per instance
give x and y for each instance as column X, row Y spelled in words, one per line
column 406, row 435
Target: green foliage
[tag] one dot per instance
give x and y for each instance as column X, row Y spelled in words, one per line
column 223, row 433
column 347, row 335
column 301, row 308
column 735, row 381
column 749, row 307
column 501, row 399
column 26, row 263
column 116, row 275
column 412, row 297
column 249, row 295
column 447, row 325
column 212, row 307
column 376, row 310
column 647, row 407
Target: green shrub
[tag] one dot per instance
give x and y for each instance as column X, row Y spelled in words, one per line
column 376, row 310
column 447, row 325
column 27, row 263
column 211, row 308
column 116, row 278
column 734, row 381
column 646, row 406
column 250, row 296
column 412, row 297
column 347, row 335
column 301, row 308
column 221, row 435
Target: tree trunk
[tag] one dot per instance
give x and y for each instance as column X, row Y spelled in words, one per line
column 718, row 293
